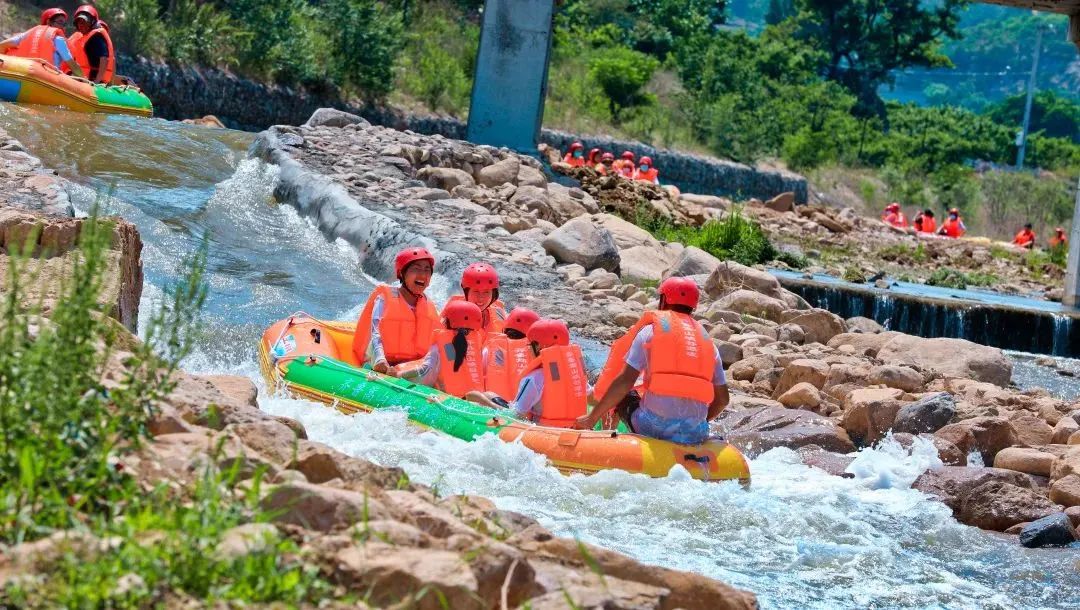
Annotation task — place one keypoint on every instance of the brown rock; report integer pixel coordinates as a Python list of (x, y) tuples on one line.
[(987, 435), (393, 575), (832, 463), (818, 325), (801, 396), (1067, 463), (730, 276), (803, 370), (1022, 459), (900, 377), (757, 429), (729, 352), (950, 357), (951, 484), (499, 173), (1065, 427), (865, 344), (445, 178), (322, 508), (269, 438), (870, 413), (784, 202), (754, 304), (1031, 430), (298, 428), (433, 520), (1073, 512), (321, 463), (692, 261), (1066, 490), (997, 505), (748, 368), (585, 589), (240, 389)]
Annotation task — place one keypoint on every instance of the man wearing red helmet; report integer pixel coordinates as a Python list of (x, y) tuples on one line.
[(554, 391), (894, 216), (606, 164), (575, 157), (480, 283), (44, 41), (507, 354), (453, 362), (91, 46), (684, 385), (624, 166), (398, 323), (645, 172)]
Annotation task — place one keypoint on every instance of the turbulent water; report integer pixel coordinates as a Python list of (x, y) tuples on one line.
[(799, 538)]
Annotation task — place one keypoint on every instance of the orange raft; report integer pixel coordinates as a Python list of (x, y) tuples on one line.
[(33, 81), (313, 359)]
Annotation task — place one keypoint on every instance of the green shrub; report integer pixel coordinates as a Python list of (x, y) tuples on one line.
[(366, 39), (135, 26), (952, 278), (621, 73), (200, 34), (734, 238)]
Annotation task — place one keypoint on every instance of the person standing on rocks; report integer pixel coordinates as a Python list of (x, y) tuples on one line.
[(554, 391), (684, 384), (453, 363), (45, 42), (480, 283), (398, 322)]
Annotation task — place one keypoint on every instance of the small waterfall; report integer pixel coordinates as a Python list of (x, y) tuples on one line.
[(1062, 328)]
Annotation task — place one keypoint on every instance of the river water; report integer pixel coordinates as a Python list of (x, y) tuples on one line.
[(798, 539)]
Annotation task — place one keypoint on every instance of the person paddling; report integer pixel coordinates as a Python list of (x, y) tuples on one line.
[(45, 42)]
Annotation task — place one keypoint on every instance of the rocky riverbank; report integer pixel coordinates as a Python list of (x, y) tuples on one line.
[(365, 530), (802, 377)]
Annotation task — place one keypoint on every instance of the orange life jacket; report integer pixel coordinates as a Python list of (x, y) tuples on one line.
[(494, 315), (77, 45), (952, 227), (39, 43), (470, 376), (1056, 241), (649, 176), (507, 361), (681, 359), (896, 219), (1024, 239), (601, 169), (406, 333), (573, 161), (929, 225), (564, 398)]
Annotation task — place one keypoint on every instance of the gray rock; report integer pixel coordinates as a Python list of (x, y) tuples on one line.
[(859, 324), (445, 178), (332, 117), (926, 415), (580, 241), (692, 261), (1052, 530), (497, 174)]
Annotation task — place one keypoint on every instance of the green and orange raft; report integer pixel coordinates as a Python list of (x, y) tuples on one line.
[(313, 359), (33, 81)]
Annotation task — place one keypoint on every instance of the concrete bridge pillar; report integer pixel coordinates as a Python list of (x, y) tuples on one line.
[(510, 82), (1072, 270)]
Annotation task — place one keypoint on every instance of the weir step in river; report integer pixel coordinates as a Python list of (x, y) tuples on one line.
[(1013, 323)]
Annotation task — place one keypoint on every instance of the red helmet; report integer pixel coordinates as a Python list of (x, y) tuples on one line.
[(462, 314), (49, 13), (87, 9), (646, 161), (576, 146), (1059, 230), (592, 153), (480, 276), (547, 333), (521, 320), (628, 155), (893, 206), (680, 291), (607, 157), (411, 255)]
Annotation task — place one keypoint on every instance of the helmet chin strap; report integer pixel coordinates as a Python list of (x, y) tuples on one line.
[(405, 287)]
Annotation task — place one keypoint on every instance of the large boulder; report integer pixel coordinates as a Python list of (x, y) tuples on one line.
[(803, 370), (859, 324), (692, 261), (332, 117), (869, 414), (928, 414), (530, 176), (641, 264), (1051, 530), (862, 343), (730, 276), (445, 178), (894, 376), (580, 241), (801, 396), (998, 506), (952, 484), (950, 357), (1025, 459), (565, 206), (1066, 490), (500, 173), (322, 508), (755, 430), (627, 235), (819, 325), (987, 435), (753, 303)]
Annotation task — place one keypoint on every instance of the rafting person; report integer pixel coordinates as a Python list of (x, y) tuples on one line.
[(575, 157), (480, 285), (1025, 238), (91, 46), (894, 216), (46, 42), (606, 163), (592, 158), (555, 389), (1059, 240), (507, 356), (924, 222), (398, 322), (953, 225), (684, 385), (625, 165), (645, 171), (453, 362)]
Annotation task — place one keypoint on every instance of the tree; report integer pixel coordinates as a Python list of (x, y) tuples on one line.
[(621, 73), (779, 10), (366, 39), (1059, 116), (866, 40)]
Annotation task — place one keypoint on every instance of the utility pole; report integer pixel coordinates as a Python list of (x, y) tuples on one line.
[(1022, 144)]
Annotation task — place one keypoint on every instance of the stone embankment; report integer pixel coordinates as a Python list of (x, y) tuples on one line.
[(801, 377), (364, 528), (186, 93)]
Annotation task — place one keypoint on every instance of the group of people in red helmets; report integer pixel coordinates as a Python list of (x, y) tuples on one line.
[(87, 53), (664, 377), (605, 163)]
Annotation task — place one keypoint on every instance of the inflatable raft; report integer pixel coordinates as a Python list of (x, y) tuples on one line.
[(313, 359), (32, 81)]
